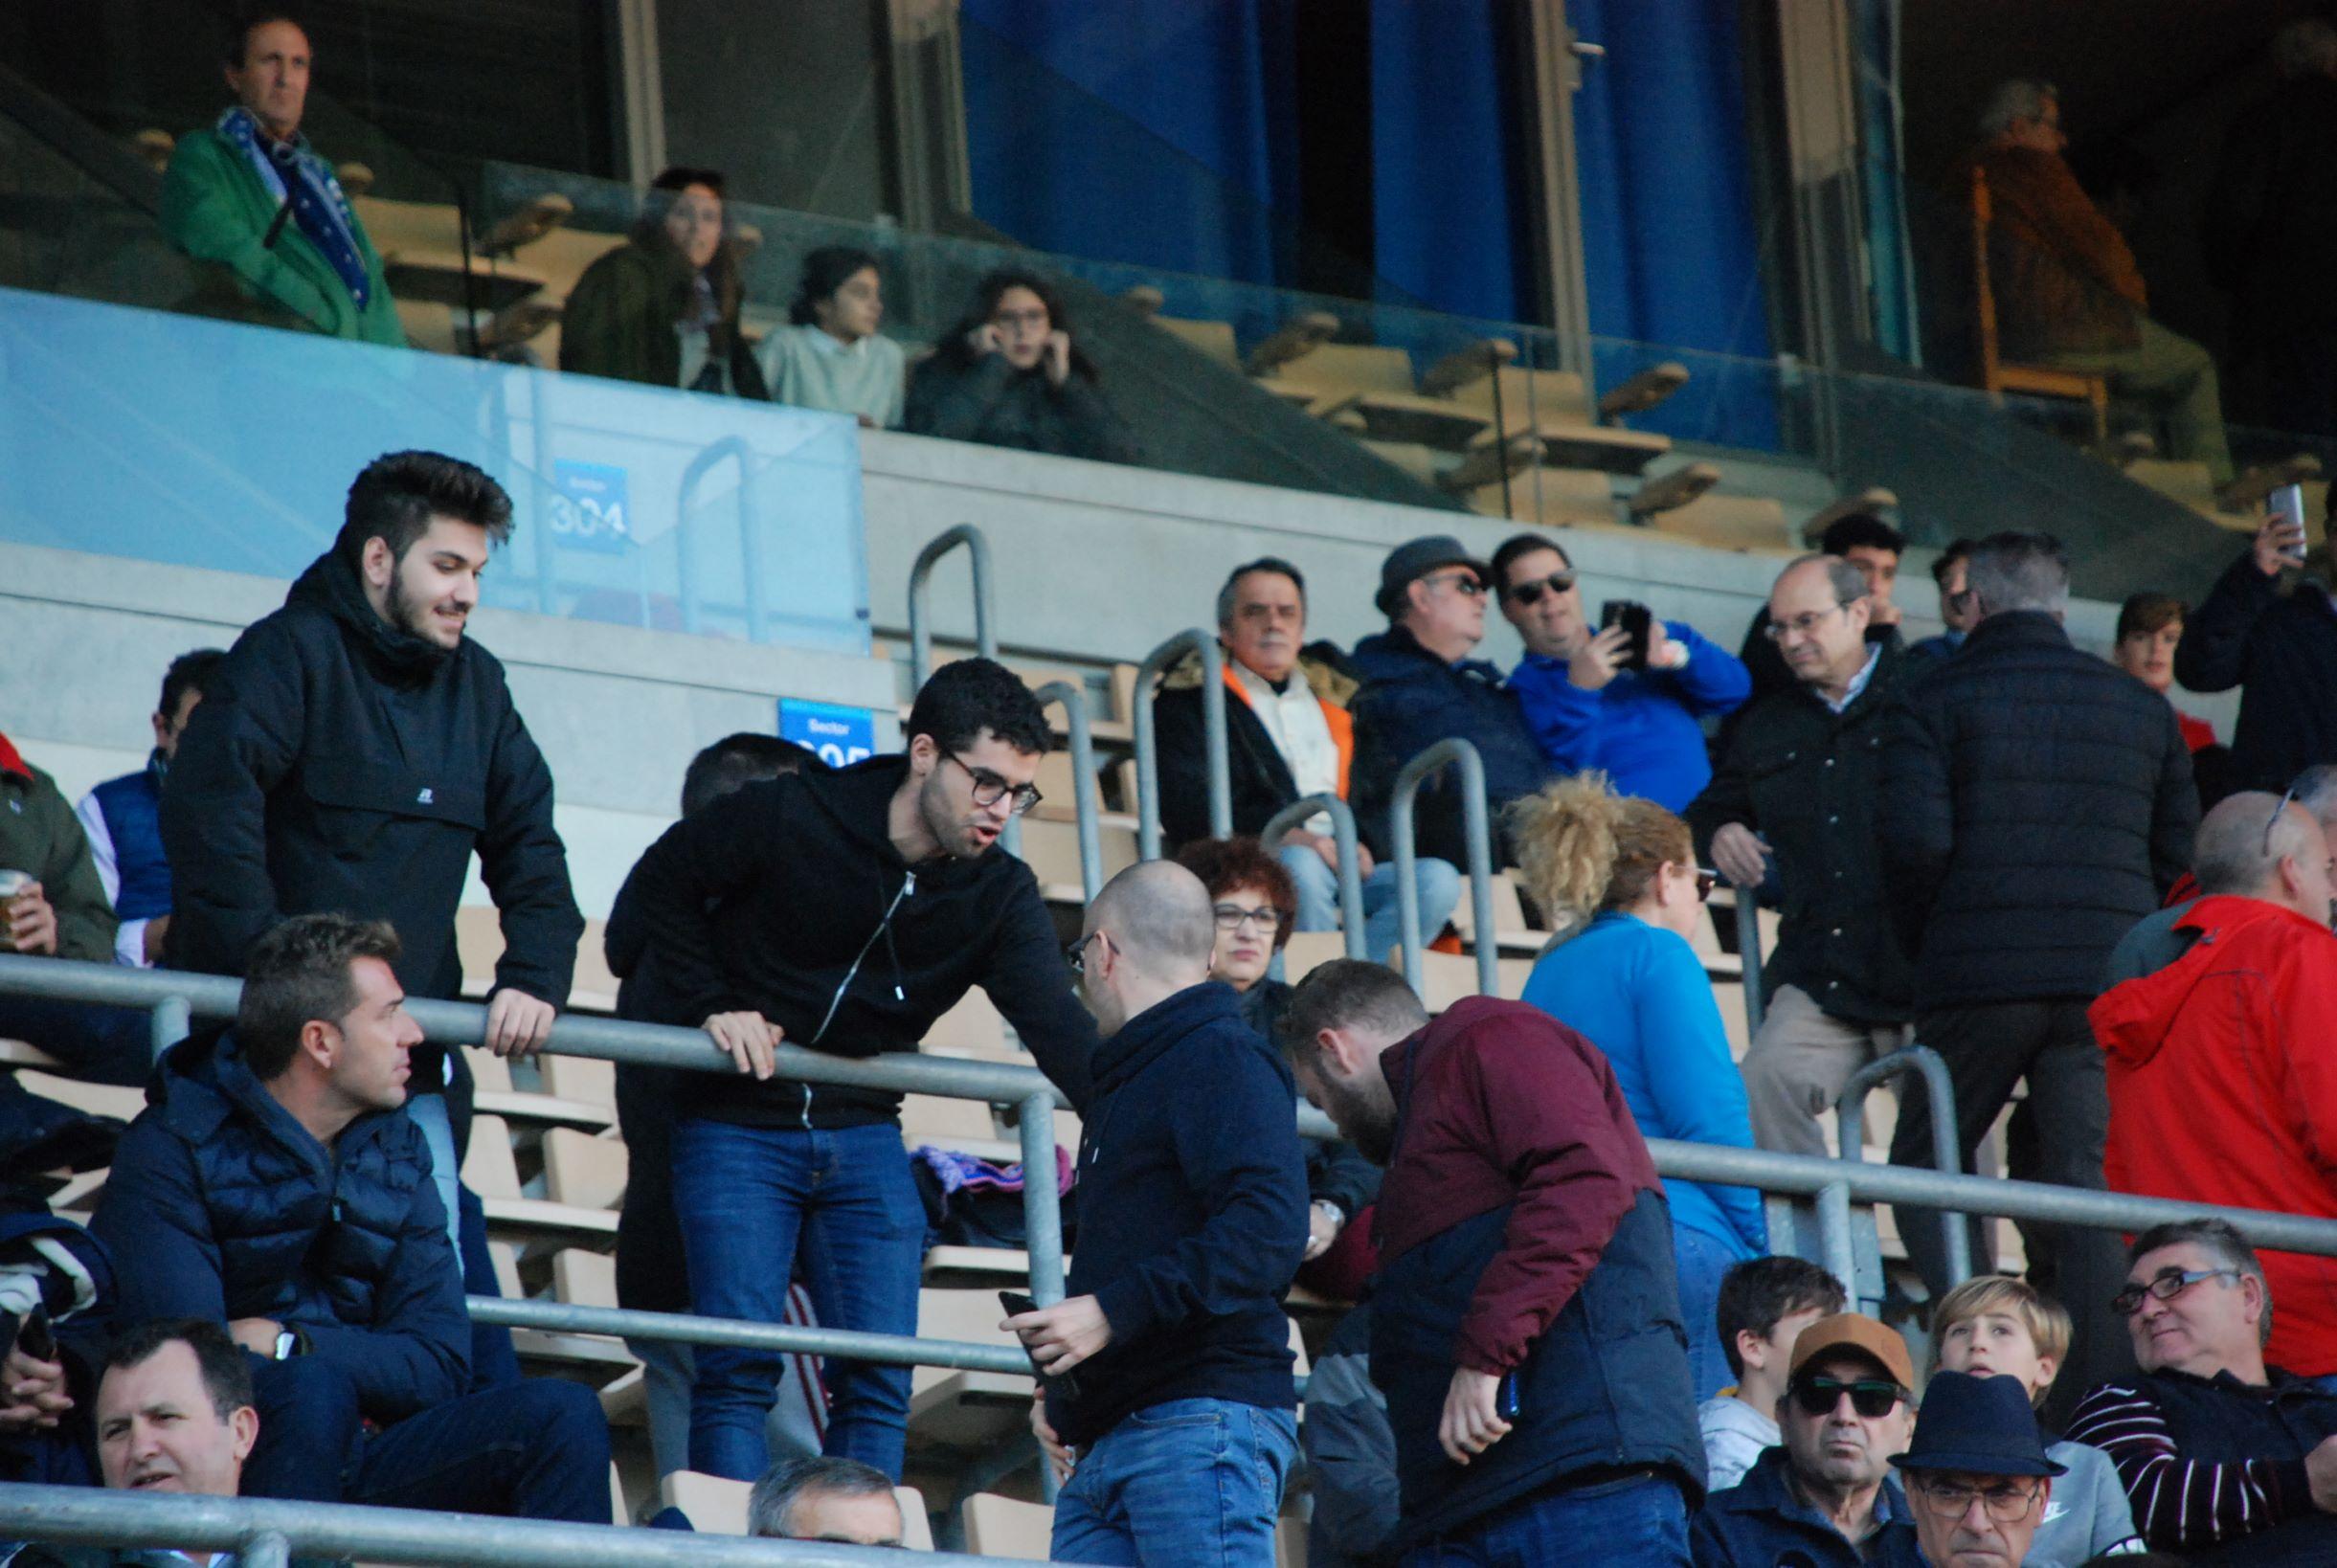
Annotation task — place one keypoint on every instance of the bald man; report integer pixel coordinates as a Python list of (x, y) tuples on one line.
[(1168, 1399), (2227, 1049)]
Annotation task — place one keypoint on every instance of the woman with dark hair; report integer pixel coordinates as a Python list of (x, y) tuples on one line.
[(1010, 375), (830, 355), (663, 308), (1256, 902)]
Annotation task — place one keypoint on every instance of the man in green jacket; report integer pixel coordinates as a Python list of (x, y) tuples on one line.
[(250, 194)]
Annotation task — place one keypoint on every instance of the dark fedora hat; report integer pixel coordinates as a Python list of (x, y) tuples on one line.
[(1977, 1426)]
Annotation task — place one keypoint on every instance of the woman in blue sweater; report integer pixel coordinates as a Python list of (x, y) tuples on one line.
[(1619, 876)]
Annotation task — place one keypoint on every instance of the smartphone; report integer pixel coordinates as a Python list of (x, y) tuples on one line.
[(1505, 1396), (33, 1336), (1636, 619), (1018, 1302), (2287, 504)]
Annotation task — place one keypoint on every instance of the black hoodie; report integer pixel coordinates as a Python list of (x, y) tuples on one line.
[(787, 898)]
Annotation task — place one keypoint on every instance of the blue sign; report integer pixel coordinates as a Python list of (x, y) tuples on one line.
[(589, 510), (841, 735)]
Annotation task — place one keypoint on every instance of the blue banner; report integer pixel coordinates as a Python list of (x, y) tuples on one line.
[(841, 735)]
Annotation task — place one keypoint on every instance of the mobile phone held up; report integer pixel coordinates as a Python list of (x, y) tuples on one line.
[(1016, 1302), (1636, 619), (2287, 504)]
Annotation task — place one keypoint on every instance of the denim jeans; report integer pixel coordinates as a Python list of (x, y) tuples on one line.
[(1638, 1523), (797, 1416), (1439, 889), (1185, 1484), (1700, 1261), (494, 1361), (761, 1206)]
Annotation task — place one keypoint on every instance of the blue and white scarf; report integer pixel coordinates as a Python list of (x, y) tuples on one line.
[(318, 205)]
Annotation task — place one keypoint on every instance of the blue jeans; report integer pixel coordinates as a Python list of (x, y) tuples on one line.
[(1700, 1261), (836, 1209), (1639, 1523), (494, 1361), (1439, 889), (1185, 1484)]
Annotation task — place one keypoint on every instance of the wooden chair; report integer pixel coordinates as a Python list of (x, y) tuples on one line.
[(1997, 376)]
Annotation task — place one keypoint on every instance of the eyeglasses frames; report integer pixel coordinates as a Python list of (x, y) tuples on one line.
[(1232, 917), (1530, 592), (1466, 584), (1802, 624), (989, 789), (1869, 1396), (2166, 1285), (2277, 812), (1077, 951), (2006, 1505), (1705, 883)]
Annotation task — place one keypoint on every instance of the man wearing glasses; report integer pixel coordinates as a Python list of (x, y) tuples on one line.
[(1957, 611), (1587, 705), (843, 912), (1978, 1474), (2221, 1455), (1824, 1497)]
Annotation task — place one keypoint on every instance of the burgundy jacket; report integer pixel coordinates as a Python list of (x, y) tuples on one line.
[(1500, 1104)]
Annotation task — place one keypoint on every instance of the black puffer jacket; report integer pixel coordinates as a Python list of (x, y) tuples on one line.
[(2281, 652), (2036, 802)]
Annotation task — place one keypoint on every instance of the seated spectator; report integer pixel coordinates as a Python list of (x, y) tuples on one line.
[(57, 1296), (1997, 1326), (2278, 648), (1287, 734), (1420, 686), (841, 1501), (830, 354), (1252, 899), (1765, 1302), (1979, 1476), (1009, 374), (1825, 1496), (663, 308), (1867, 543), (2224, 1049), (1351, 1451), (1958, 608), (123, 817), (2149, 627), (2068, 292), (275, 1184), (250, 194), (2215, 1448), (1618, 877), (1640, 726)]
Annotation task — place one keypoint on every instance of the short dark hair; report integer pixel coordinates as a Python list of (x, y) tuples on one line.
[(1518, 545), (235, 45), (775, 1495), (400, 492), (1958, 549), (300, 974), (1274, 564), (826, 270), (681, 178), (1344, 993), (227, 1376), (1860, 530), (2150, 612), (1224, 864), (741, 759), (2219, 1236), (962, 700), (954, 347), (1760, 1294), (188, 672)]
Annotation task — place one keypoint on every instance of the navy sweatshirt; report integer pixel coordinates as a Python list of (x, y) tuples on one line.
[(1193, 1211)]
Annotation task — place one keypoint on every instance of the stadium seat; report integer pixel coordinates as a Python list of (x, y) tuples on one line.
[(971, 1028), (1005, 1527), (582, 1169), (965, 1411), (715, 1505), (492, 1172)]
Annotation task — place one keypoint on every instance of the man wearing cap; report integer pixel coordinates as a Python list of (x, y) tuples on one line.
[(1420, 686), (1977, 1472), (1825, 1497)]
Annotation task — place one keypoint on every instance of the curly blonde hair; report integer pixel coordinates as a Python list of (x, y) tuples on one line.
[(1583, 849)]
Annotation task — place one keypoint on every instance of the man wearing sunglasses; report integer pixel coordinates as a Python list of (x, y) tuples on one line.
[(1587, 703), (2225, 1458), (1824, 1497)]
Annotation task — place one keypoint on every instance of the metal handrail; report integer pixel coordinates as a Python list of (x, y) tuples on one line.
[(1086, 799), (1476, 827), (1749, 954), (1940, 1091), (920, 575), (1213, 734), (1350, 863), (788, 1338)]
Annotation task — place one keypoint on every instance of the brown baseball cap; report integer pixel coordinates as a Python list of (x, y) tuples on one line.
[(1854, 1331)]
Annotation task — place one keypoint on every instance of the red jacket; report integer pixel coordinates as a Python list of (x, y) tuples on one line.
[(1501, 1104), (2223, 1089)]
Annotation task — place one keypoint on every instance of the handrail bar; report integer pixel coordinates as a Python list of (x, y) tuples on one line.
[(1476, 829), (1940, 1094), (1198, 642), (1350, 866), (920, 573), (1086, 799)]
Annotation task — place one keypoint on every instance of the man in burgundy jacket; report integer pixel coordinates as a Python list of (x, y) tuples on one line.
[(1526, 1324)]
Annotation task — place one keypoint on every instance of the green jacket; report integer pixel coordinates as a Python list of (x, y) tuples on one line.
[(39, 834), (216, 209), (618, 322)]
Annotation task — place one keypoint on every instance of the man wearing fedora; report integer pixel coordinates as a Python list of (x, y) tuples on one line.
[(1977, 1474)]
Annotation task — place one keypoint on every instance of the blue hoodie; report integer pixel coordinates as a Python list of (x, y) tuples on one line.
[(1642, 727), (1193, 1216)]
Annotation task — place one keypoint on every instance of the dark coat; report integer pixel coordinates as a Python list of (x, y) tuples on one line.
[(220, 1205), (2036, 801), (652, 1270), (2269, 229), (992, 402), (2281, 652), (1759, 1523), (1258, 773), (1806, 778), (1410, 699), (620, 318)]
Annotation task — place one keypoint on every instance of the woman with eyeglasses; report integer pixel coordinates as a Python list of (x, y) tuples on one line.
[(1012, 374), (1256, 902), (1619, 879)]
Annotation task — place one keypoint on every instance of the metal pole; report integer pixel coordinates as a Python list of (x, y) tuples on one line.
[(1213, 732), (170, 1023), (685, 549), (1476, 828), (920, 573), (1940, 1095), (1748, 953), (1085, 796), (1349, 864), (1042, 1225), (264, 1549), (845, 1344), (1834, 1245)]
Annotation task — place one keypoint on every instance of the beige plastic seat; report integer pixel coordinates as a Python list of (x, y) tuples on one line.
[(1307, 951), (583, 1078), (972, 1027), (966, 1411), (716, 1505), (1754, 524), (1006, 1527), (583, 1169), (491, 1170), (1214, 339)]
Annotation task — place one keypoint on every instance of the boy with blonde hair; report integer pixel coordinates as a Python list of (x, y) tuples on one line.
[(1994, 1325)]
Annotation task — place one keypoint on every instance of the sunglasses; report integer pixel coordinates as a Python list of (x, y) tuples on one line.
[(1705, 883), (1869, 1396), (1556, 582)]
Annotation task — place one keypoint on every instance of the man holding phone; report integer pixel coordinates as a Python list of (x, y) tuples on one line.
[(2278, 647)]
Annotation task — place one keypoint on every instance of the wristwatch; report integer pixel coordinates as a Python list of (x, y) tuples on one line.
[(1336, 1214)]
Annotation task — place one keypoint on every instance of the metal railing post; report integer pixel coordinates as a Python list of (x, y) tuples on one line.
[(1836, 1249), (686, 547), (1213, 732), (1947, 1157), (1042, 1224), (1477, 828), (1350, 866), (1748, 953), (920, 574), (264, 1549), (1085, 796), (171, 1022)]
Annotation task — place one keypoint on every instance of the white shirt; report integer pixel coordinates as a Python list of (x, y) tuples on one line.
[(1294, 722), (1857, 681), (1735, 1434), (130, 936)]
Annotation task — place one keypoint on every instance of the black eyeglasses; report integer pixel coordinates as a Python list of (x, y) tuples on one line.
[(1805, 623), (1466, 584), (2166, 1285), (989, 789), (1232, 917), (1869, 1396), (1077, 951), (2277, 812), (1951, 1500), (1556, 582)]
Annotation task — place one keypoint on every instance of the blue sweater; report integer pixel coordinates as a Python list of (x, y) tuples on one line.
[(1641, 727), (1640, 995)]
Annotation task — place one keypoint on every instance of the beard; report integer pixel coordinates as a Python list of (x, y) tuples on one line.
[(411, 616), (1370, 1126), (954, 834)]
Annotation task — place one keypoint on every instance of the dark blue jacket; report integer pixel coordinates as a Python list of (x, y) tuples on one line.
[(131, 806), (220, 1205), (1410, 699), (1642, 728), (1759, 1523), (1193, 1201)]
